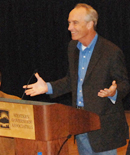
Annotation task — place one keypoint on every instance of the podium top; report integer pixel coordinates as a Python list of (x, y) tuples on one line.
[(30, 102)]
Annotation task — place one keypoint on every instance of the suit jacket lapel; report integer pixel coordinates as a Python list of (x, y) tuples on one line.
[(94, 58), (76, 62)]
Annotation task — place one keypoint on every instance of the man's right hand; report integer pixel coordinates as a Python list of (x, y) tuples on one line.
[(40, 87)]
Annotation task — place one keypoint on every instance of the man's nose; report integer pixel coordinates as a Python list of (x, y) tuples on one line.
[(70, 27)]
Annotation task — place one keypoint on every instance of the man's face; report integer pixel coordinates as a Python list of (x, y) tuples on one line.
[(77, 24)]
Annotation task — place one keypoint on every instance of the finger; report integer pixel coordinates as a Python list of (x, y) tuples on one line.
[(24, 86), (33, 94), (29, 91), (100, 95), (37, 75), (104, 93), (101, 91), (113, 82), (29, 86)]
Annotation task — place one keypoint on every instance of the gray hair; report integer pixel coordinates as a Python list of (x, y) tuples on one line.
[(91, 15)]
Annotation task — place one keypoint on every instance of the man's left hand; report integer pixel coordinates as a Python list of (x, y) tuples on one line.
[(108, 92)]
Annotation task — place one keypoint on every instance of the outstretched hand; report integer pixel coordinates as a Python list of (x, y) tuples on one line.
[(40, 87), (108, 92)]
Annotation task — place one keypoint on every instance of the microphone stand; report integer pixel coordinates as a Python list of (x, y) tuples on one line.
[(28, 83), (68, 137)]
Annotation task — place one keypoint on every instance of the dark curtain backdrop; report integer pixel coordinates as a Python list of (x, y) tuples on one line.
[(34, 35)]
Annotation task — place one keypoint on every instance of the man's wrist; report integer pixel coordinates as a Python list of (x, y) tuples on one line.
[(50, 90)]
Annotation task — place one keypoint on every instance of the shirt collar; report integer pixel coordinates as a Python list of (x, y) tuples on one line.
[(91, 45)]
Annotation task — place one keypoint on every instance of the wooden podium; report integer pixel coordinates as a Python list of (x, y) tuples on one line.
[(53, 124)]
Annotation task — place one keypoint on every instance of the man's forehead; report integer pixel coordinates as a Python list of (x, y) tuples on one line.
[(77, 13)]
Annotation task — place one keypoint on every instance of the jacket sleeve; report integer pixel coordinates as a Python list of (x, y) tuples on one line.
[(61, 86), (119, 73)]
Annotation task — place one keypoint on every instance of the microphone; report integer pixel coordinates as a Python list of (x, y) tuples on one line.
[(35, 71)]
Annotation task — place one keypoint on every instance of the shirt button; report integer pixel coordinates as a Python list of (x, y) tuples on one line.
[(84, 56), (82, 67), (81, 79), (80, 91)]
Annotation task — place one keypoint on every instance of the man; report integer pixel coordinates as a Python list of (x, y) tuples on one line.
[(98, 80)]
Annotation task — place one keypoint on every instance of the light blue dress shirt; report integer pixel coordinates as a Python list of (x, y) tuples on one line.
[(84, 58)]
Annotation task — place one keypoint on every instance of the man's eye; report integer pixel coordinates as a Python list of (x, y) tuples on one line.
[(75, 23)]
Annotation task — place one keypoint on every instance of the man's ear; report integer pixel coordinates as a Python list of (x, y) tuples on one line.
[(90, 24)]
